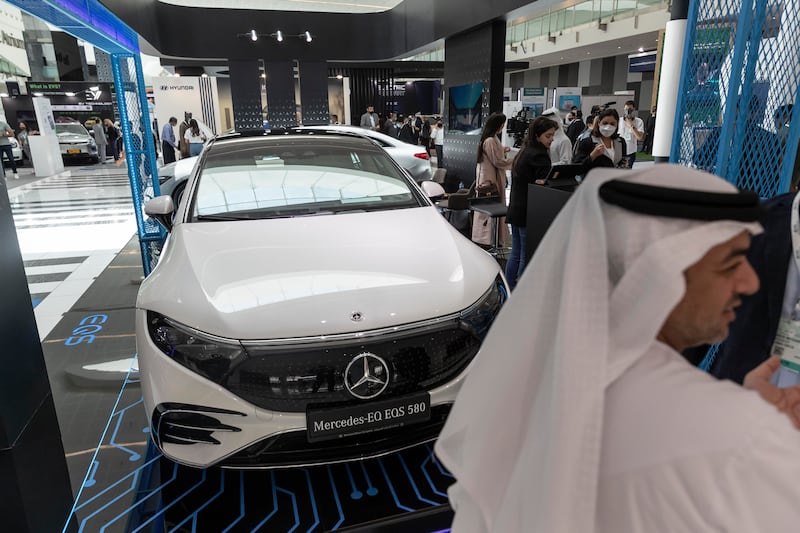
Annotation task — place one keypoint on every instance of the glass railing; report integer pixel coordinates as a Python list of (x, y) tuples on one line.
[(558, 20)]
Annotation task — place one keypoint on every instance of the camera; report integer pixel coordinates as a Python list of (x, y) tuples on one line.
[(516, 126)]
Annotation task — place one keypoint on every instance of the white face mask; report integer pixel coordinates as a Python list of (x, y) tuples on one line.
[(607, 130)]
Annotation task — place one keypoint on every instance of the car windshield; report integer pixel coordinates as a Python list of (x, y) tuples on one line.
[(71, 129), (269, 178)]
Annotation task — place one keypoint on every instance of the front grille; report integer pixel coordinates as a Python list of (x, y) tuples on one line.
[(293, 448), (288, 378)]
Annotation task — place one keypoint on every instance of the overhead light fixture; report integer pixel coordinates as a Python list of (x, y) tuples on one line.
[(69, 94), (339, 76), (263, 75), (308, 36), (253, 35), (38, 94), (279, 36)]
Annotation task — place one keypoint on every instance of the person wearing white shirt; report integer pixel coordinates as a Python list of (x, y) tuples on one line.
[(195, 138), (632, 131), (580, 414), (437, 135), (561, 149)]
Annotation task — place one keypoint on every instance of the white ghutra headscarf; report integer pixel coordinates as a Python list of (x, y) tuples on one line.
[(523, 439)]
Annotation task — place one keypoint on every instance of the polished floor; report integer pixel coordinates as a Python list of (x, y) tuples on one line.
[(69, 229)]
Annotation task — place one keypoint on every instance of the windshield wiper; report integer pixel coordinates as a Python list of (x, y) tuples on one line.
[(209, 218)]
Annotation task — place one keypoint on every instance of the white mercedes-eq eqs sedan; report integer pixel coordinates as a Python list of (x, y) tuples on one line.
[(310, 305)]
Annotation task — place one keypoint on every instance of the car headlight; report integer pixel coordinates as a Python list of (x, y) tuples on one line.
[(479, 317), (209, 356)]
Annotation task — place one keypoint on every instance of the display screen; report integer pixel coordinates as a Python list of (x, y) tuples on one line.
[(465, 103)]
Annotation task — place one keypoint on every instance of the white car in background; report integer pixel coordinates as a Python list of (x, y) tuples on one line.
[(310, 306), (415, 159), (76, 142)]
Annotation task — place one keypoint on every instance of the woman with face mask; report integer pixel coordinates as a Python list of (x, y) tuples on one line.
[(603, 148)]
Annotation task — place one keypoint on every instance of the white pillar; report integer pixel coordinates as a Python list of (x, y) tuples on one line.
[(668, 86)]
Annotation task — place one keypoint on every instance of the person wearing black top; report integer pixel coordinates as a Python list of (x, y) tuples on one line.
[(406, 133), (603, 148), (531, 163), (576, 127)]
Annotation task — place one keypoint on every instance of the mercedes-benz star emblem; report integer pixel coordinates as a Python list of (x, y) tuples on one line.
[(367, 376), (356, 316)]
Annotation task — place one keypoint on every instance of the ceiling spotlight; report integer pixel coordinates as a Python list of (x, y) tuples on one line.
[(253, 35), (339, 76), (308, 37), (279, 36)]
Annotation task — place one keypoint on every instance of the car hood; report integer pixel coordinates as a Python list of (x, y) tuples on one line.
[(282, 278)]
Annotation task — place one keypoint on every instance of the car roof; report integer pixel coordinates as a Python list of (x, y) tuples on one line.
[(297, 136)]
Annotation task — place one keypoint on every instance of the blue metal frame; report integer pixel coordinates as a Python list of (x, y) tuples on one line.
[(148, 232), (88, 20), (744, 31), (92, 22)]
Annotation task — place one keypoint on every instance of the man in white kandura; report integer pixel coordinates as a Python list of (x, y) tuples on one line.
[(580, 415)]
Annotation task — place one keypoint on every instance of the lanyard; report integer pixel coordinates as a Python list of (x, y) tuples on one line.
[(795, 221), (795, 218)]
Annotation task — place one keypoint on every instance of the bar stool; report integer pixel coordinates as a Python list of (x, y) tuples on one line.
[(494, 209)]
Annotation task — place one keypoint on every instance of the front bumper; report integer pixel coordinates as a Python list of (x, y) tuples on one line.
[(78, 150), (217, 427)]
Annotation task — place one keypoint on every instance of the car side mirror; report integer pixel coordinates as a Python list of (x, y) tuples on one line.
[(161, 209), (432, 189)]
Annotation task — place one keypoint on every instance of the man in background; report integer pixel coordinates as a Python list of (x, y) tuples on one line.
[(369, 120), (6, 134), (168, 140), (100, 139), (183, 144), (632, 131)]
